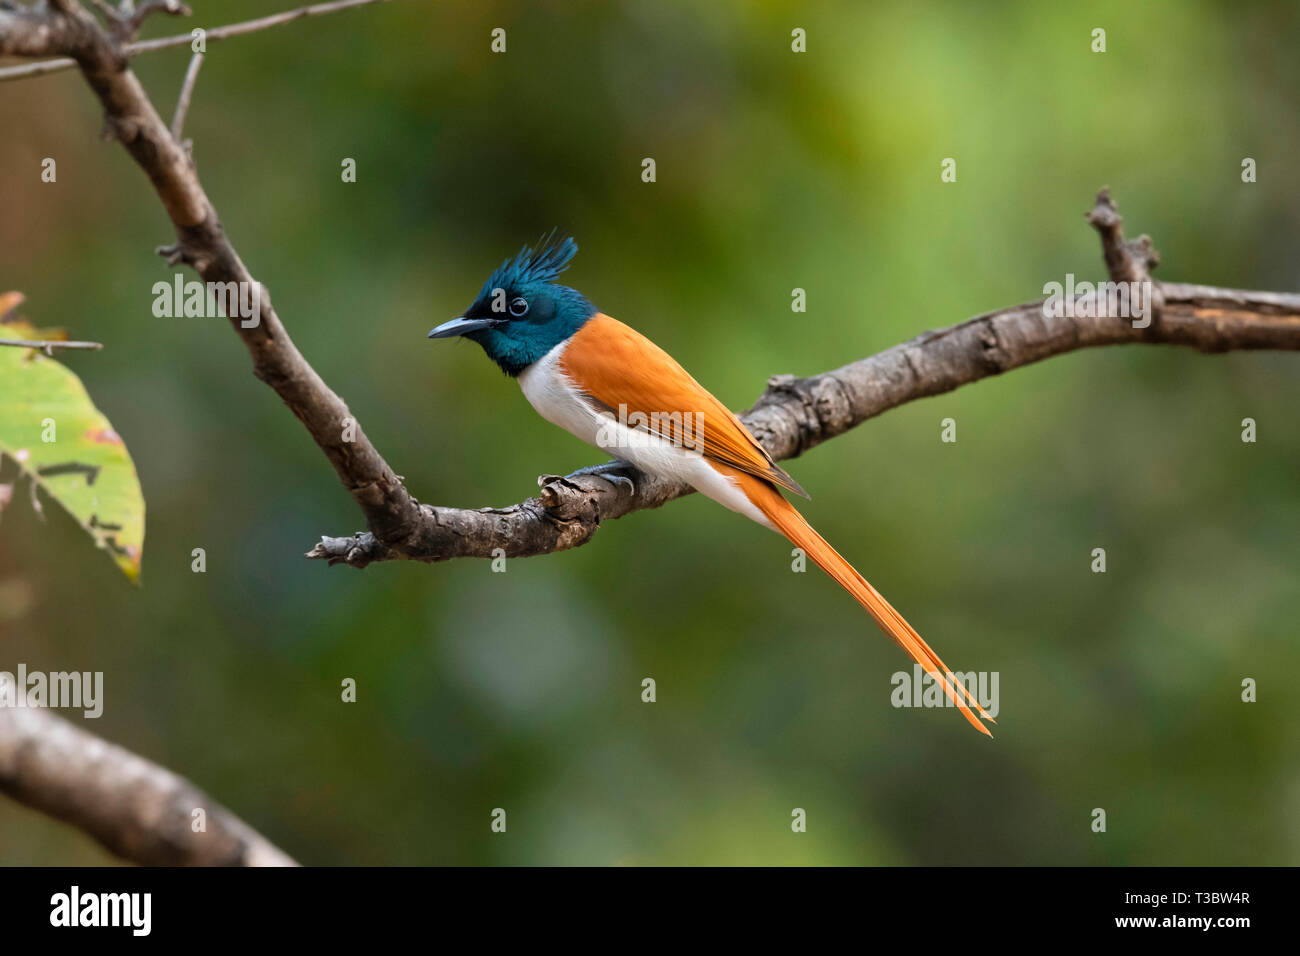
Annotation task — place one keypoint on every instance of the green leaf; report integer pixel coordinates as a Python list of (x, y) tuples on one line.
[(86, 468)]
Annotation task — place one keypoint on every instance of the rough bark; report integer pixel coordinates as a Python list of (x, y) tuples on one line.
[(137, 809)]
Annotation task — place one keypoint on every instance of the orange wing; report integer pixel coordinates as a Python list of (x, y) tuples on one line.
[(628, 376)]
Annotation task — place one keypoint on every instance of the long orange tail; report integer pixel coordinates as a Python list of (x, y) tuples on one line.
[(792, 524)]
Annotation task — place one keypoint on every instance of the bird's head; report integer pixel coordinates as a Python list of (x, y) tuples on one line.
[(521, 313)]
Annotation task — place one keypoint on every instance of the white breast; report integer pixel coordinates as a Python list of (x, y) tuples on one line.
[(560, 402)]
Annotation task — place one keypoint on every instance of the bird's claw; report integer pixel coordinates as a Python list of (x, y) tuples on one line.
[(612, 471)]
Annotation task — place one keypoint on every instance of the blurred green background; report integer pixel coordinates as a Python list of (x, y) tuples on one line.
[(775, 170)]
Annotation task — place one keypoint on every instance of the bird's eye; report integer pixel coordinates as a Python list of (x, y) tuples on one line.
[(518, 308)]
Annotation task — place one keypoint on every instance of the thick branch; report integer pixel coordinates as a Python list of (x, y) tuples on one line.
[(138, 810), (796, 414), (37, 32)]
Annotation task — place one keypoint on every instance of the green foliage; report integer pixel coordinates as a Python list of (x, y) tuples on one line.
[(66, 447)]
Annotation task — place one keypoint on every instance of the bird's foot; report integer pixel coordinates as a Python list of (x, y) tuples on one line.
[(615, 472)]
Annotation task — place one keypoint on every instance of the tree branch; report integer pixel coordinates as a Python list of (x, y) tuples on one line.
[(135, 808), (792, 415), (201, 242), (187, 91), (138, 810), (796, 414), (51, 46), (38, 32), (126, 20), (132, 22), (49, 346)]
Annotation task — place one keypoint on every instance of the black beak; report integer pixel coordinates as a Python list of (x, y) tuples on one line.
[(461, 326)]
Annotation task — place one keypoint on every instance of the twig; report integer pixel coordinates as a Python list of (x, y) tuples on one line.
[(1126, 261), (133, 21), (138, 810), (249, 26), (111, 13), (185, 39), (187, 90), (48, 346), (125, 20), (40, 68)]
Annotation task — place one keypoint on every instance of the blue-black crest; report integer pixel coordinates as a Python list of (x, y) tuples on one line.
[(544, 263), (522, 312)]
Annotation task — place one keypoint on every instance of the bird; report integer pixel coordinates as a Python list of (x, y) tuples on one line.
[(610, 386)]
